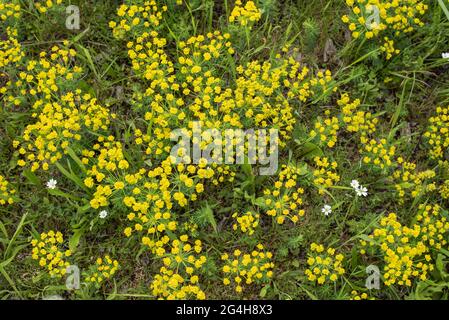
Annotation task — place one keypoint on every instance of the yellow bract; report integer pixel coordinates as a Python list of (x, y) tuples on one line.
[(47, 249), (10, 51), (6, 192), (9, 10), (356, 120), (324, 264), (103, 269), (245, 14), (325, 174), (406, 251), (177, 278), (407, 178), (325, 131), (243, 269), (247, 222), (283, 201), (45, 5), (437, 134), (373, 19)]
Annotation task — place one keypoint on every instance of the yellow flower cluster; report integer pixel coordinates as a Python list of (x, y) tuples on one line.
[(149, 195), (197, 54), (360, 296), (377, 152), (247, 222), (407, 251), (62, 115), (434, 225), (47, 249), (103, 269), (153, 202), (170, 285), (45, 141), (242, 269), (136, 18), (177, 278), (153, 223), (437, 134), (245, 15), (373, 18), (150, 62), (105, 158), (6, 192), (283, 200), (323, 264), (407, 178), (326, 131), (388, 48), (10, 52), (182, 252), (443, 189), (9, 10), (356, 120), (325, 174), (46, 5), (257, 83), (373, 151), (50, 75)]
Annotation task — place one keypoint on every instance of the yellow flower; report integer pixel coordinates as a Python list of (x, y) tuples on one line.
[(323, 264)]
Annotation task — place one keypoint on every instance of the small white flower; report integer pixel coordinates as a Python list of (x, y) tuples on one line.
[(361, 191), (355, 184), (327, 210), (445, 55), (103, 214), (51, 184)]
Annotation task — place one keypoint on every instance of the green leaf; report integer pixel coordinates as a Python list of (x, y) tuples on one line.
[(10, 281), (444, 8), (13, 238), (75, 158), (205, 216), (263, 292), (75, 239), (57, 192), (439, 263), (72, 176), (84, 208), (310, 150), (260, 202), (90, 61), (310, 294), (31, 177)]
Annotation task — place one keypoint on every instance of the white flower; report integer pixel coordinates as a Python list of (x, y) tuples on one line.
[(355, 184), (51, 184), (361, 191), (445, 55), (103, 214), (327, 210)]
